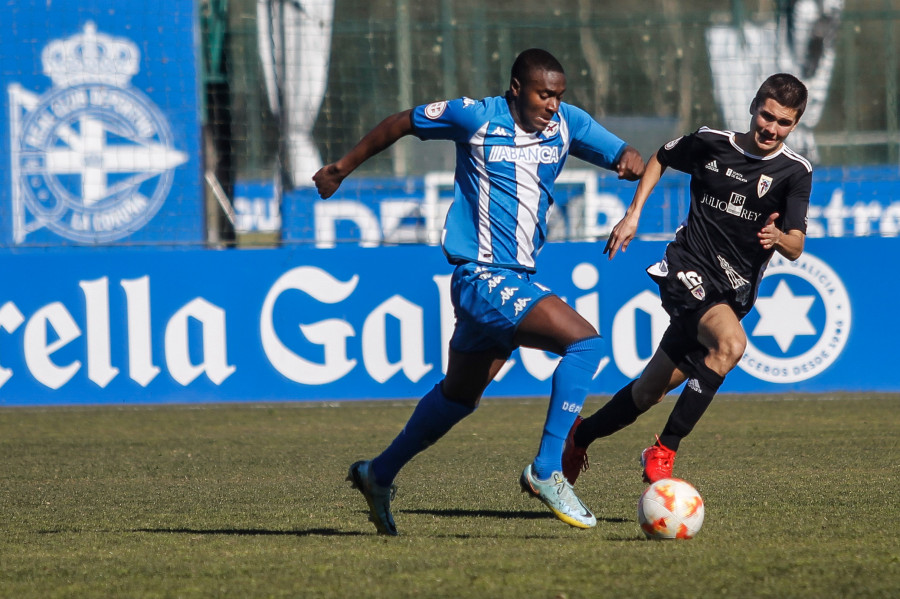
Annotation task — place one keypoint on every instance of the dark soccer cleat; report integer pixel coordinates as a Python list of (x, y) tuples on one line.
[(657, 462), (378, 497), (574, 458)]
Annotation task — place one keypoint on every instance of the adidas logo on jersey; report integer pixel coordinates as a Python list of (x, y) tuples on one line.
[(711, 165)]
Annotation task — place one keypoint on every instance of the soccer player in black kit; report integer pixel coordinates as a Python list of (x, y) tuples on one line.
[(749, 198)]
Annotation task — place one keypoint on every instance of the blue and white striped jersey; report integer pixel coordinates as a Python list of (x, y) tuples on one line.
[(505, 176)]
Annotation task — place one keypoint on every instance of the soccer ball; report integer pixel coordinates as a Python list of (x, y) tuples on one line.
[(670, 508)]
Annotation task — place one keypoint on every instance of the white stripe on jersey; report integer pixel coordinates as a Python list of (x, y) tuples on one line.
[(784, 149), (528, 193), (705, 129), (564, 136), (485, 241), (795, 156)]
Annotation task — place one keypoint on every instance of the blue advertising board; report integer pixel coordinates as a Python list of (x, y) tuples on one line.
[(845, 202), (101, 135), (155, 326)]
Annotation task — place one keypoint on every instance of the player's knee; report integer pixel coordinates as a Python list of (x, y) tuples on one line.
[(461, 391), (586, 353), (728, 353), (647, 393)]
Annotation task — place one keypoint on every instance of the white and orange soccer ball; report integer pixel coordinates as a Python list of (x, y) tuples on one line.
[(670, 508)]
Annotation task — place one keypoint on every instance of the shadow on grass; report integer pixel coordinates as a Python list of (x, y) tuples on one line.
[(500, 514), (248, 532), (321, 532)]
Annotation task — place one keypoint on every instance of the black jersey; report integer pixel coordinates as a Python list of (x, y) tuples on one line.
[(732, 195)]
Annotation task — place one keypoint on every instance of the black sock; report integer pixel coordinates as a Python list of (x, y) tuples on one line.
[(618, 413), (696, 396)]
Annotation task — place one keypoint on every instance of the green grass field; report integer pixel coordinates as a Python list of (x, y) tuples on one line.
[(250, 501)]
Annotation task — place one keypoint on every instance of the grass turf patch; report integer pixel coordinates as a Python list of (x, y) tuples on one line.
[(250, 501)]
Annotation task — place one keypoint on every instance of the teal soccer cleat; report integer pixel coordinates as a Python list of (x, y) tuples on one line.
[(558, 495), (378, 497)]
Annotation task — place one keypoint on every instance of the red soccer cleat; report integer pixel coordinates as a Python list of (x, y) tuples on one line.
[(574, 458), (657, 462)]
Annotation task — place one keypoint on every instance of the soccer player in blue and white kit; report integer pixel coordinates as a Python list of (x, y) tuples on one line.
[(510, 150)]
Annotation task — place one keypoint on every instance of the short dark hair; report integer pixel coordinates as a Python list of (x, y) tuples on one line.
[(785, 89), (534, 59)]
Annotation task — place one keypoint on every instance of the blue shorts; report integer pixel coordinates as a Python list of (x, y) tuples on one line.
[(489, 303)]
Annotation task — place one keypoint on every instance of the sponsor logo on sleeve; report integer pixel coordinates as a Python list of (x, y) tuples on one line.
[(435, 110)]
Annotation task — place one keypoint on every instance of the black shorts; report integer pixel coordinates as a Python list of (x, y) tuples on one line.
[(686, 296)]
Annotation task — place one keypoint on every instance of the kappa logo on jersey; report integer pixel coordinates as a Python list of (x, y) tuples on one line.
[(468, 102), (436, 109), (527, 154), (763, 185), (92, 158), (500, 131), (674, 143), (712, 166), (735, 175)]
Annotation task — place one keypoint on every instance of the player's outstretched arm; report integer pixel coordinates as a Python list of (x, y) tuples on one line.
[(625, 230), (790, 244), (330, 176), (631, 164)]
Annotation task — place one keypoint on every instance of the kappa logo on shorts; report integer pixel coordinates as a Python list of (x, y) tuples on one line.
[(92, 158), (507, 293), (797, 330), (520, 304), (494, 281)]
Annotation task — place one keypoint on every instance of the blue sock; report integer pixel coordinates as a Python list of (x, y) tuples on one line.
[(571, 380), (433, 417)]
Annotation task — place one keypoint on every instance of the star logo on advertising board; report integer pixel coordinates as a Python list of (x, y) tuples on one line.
[(784, 316), (799, 328)]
